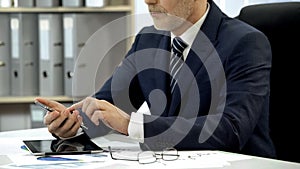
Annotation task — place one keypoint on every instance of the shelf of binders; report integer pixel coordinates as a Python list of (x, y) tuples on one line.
[(106, 9), (30, 99), (121, 8)]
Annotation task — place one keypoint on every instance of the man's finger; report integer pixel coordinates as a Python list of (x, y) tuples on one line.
[(50, 103), (50, 116), (75, 106)]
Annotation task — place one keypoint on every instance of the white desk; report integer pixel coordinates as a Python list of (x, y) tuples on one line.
[(11, 141)]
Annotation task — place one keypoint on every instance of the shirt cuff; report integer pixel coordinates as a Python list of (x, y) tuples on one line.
[(136, 123), (136, 127)]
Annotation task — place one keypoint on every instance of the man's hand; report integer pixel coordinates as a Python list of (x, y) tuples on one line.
[(110, 115), (61, 121)]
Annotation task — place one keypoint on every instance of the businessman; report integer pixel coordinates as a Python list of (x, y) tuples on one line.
[(195, 80)]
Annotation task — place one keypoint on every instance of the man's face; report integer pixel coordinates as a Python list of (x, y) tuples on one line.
[(170, 14)]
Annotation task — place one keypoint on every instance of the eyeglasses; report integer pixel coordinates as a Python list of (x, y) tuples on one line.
[(146, 157)]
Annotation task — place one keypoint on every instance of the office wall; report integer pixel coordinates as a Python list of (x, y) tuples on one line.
[(142, 17), (230, 7)]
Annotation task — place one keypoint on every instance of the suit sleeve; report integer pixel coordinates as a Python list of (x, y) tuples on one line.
[(247, 77)]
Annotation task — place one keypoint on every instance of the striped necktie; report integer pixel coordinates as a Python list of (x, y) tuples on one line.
[(177, 59)]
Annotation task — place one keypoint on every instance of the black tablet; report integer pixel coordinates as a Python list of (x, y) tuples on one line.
[(62, 147)]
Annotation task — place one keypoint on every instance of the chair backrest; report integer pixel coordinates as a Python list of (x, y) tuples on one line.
[(280, 22)]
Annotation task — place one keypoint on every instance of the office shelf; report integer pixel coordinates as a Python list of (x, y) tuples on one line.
[(30, 99), (123, 8), (18, 107)]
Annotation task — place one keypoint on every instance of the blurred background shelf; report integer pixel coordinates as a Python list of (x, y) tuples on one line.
[(18, 112), (30, 99), (121, 8)]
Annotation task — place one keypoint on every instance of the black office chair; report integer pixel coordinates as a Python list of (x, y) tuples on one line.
[(280, 22)]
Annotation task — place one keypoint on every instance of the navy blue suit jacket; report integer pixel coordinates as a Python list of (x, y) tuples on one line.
[(222, 98)]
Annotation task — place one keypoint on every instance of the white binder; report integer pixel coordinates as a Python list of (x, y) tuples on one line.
[(78, 28), (50, 55), (4, 55), (96, 3), (5, 3), (23, 3), (24, 54)]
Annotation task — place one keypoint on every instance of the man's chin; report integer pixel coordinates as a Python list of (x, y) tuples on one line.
[(167, 25)]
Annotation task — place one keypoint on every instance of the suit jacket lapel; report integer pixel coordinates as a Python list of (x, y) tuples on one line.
[(162, 60), (158, 59)]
